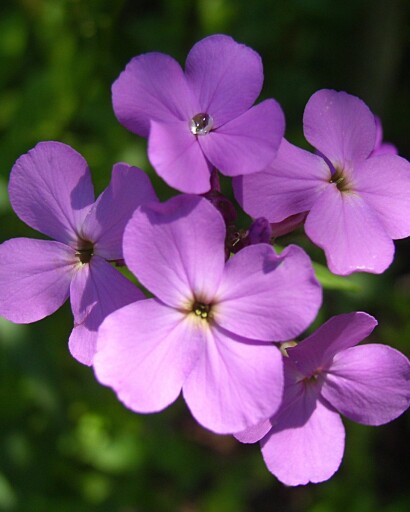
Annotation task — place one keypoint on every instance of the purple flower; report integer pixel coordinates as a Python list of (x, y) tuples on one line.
[(202, 118), (205, 331), (357, 202), (326, 374), (50, 190)]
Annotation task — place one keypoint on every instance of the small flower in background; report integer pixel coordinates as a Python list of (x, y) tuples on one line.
[(209, 328), (202, 118), (50, 190), (356, 202), (326, 374)]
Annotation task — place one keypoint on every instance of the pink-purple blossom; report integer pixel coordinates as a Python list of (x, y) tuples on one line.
[(357, 203), (50, 190), (201, 118), (207, 332), (327, 375)]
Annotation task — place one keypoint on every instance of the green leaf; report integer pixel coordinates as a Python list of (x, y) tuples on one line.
[(334, 282)]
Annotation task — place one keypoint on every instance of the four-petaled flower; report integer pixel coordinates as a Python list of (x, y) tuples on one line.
[(207, 331), (326, 374), (202, 118), (50, 190), (356, 202)]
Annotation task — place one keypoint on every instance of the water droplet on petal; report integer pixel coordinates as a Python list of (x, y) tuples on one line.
[(201, 124)]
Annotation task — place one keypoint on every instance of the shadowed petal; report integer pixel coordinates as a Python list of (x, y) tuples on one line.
[(176, 249), (97, 289), (289, 185), (351, 235), (50, 190), (255, 433), (384, 183), (145, 352), (152, 87), (176, 156), (248, 143), (267, 296), (215, 67), (129, 188), (35, 278), (340, 126), (306, 444), (369, 384), (236, 383), (337, 334)]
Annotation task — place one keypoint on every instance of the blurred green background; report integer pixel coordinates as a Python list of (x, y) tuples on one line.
[(66, 444)]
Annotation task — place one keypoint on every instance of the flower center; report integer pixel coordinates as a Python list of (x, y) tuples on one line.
[(202, 310), (340, 180), (201, 124), (85, 251)]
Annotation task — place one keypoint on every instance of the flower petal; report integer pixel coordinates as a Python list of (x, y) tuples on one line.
[(145, 352), (235, 384), (255, 433), (152, 87), (177, 157), (265, 296), (129, 188), (97, 289), (340, 126), (384, 183), (176, 249), (289, 185), (248, 143), (369, 384), (50, 190), (350, 233), (225, 76), (35, 278), (337, 334), (306, 444)]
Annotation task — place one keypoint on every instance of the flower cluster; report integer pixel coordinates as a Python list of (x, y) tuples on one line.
[(226, 305)]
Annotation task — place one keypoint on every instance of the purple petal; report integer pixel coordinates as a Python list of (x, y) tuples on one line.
[(306, 444), (340, 126), (35, 278), (369, 384), (255, 433), (235, 384), (248, 143), (225, 76), (145, 351), (382, 148), (129, 188), (152, 87), (97, 289), (384, 183), (176, 249), (350, 233), (385, 149), (288, 225), (290, 184), (339, 333), (50, 190), (268, 297), (177, 157)]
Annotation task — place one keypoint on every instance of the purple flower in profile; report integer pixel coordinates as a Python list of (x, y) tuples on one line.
[(326, 374), (207, 328), (357, 203), (203, 117), (50, 190)]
